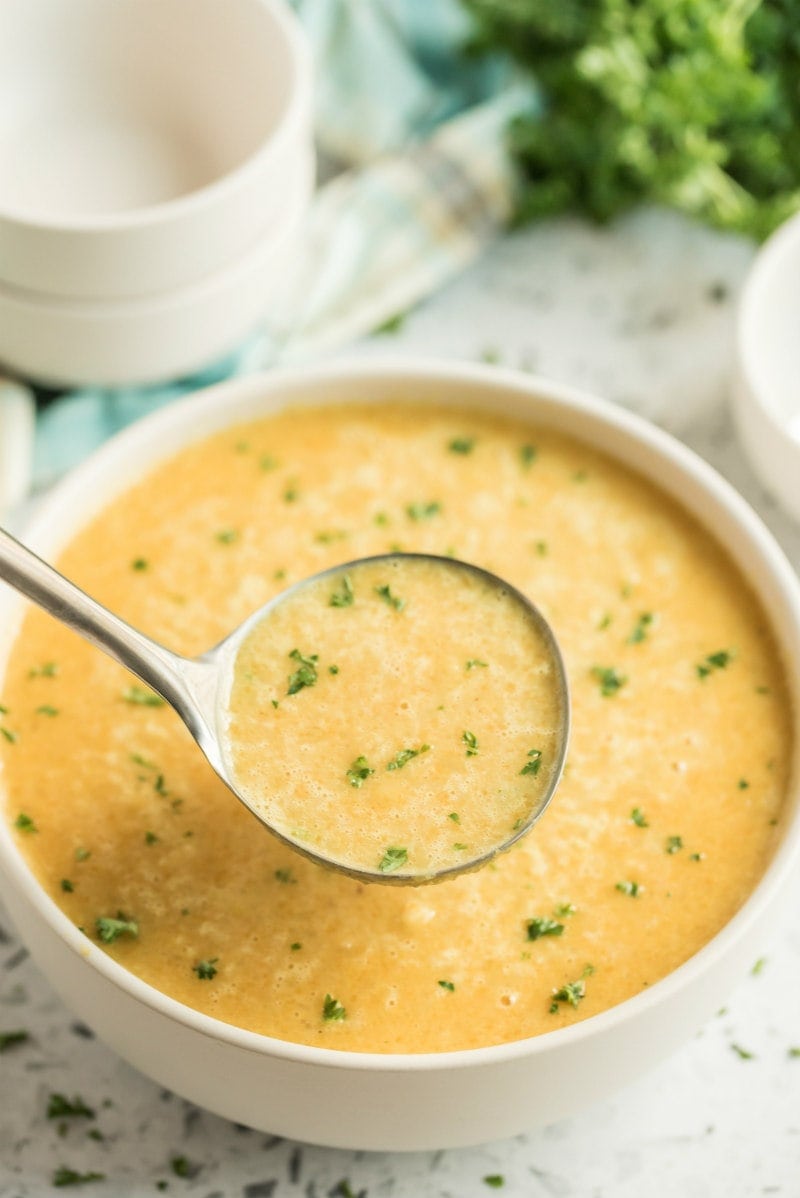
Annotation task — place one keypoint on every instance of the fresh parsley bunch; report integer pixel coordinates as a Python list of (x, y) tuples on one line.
[(690, 103)]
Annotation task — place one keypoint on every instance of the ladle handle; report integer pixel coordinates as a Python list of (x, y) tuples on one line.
[(163, 671)]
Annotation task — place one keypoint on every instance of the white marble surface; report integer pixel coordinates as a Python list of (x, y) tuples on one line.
[(642, 314)]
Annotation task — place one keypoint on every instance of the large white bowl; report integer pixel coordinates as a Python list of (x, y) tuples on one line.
[(442, 1100), (144, 143), (61, 342)]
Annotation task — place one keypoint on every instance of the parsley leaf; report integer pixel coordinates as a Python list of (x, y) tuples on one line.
[(405, 755), (394, 601), (305, 674), (471, 741), (12, 1039), (345, 595), (64, 1176), (109, 929), (358, 772), (534, 765), (610, 680), (206, 970), (139, 696), (60, 1107), (392, 859), (423, 511), (542, 926), (332, 1009)]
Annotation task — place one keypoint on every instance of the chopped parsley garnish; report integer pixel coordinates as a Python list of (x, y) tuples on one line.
[(139, 563), (286, 876), (459, 847), (639, 818), (82, 854), (109, 929), (541, 548), (542, 926), (495, 1181), (610, 680), (386, 595), (604, 622), (534, 765), (640, 628), (742, 1053), (358, 772), (673, 844), (423, 511), (291, 494), (345, 595), (528, 455), (24, 823), (758, 966), (67, 886), (64, 1176), (206, 970), (715, 661), (12, 1039), (475, 663), (743, 784), (10, 736), (295, 946), (150, 838), (305, 674), (48, 669), (390, 326), (447, 985), (46, 709), (60, 1107), (793, 1052), (462, 445), (471, 741), (139, 696), (332, 1009), (571, 992), (226, 536), (402, 757), (632, 889), (392, 859), (181, 1166), (455, 817), (564, 909), (267, 462), (334, 669), (328, 536)]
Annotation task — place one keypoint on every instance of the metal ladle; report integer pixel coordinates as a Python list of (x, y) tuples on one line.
[(196, 688)]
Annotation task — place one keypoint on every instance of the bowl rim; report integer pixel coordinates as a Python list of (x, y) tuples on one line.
[(755, 297), (292, 124), (186, 411)]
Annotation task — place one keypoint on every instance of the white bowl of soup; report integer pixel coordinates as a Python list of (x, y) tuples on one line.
[(307, 1003)]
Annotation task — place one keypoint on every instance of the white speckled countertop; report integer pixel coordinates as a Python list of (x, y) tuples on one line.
[(642, 314)]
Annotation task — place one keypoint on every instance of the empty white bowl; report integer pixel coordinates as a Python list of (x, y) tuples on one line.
[(399, 1101), (767, 383), (144, 143), (151, 339)]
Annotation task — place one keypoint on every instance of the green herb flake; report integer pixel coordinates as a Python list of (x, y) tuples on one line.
[(60, 1107), (793, 1052), (358, 772), (305, 674), (611, 681), (475, 663), (268, 462), (641, 628), (423, 511), (295, 946), (462, 445), (67, 886), (542, 926), (571, 993), (82, 854), (714, 661), (150, 838), (402, 757), (758, 967), (562, 910), (46, 709), (639, 818), (604, 622), (392, 859), (140, 564), (206, 970), (494, 1181), (286, 876), (528, 455), (334, 670), (455, 817), (139, 696), (227, 536), (632, 889), (24, 823), (291, 494), (471, 741), (534, 765), (742, 1053), (64, 1176), (390, 326), (743, 784), (673, 844), (10, 736), (181, 1166), (109, 929), (446, 985), (345, 595), (332, 1009), (48, 669), (12, 1039), (385, 592)]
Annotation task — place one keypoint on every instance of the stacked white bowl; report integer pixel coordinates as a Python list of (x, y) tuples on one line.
[(156, 163)]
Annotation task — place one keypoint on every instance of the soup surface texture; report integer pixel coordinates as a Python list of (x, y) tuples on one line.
[(663, 822), (427, 688)]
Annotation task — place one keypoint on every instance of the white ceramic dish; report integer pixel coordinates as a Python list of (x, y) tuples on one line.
[(148, 340), (144, 143), (396, 1101), (767, 383)]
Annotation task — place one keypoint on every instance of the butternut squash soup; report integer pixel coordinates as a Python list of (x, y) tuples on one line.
[(664, 820), (415, 659)]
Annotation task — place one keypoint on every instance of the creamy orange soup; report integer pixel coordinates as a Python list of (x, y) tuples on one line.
[(663, 822), (426, 688)]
